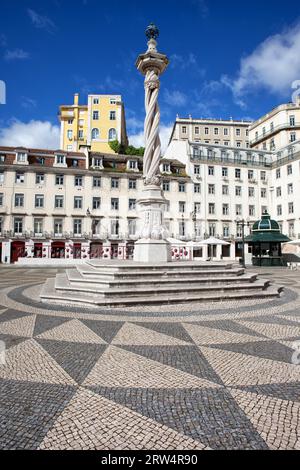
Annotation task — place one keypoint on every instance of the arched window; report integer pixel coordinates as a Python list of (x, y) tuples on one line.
[(112, 134), (95, 134)]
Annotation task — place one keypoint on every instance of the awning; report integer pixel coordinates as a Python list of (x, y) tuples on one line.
[(267, 237)]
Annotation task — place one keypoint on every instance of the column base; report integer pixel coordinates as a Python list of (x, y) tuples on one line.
[(147, 250)]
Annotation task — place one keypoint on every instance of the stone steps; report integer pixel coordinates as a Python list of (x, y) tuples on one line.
[(50, 295), (129, 283)]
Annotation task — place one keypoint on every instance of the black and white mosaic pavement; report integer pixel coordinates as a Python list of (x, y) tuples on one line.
[(193, 376)]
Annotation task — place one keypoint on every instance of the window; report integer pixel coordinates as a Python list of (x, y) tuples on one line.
[(251, 191), (80, 134), (78, 180), (291, 207), (278, 173), (251, 211), (264, 130), (58, 226), (95, 115), (290, 188), (115, 204), (291, 229), (197, 188), (74, 163), (166, 185), (238, 173), (131, 204), (182, 228), (238, 132), (238, 190), (96, 202), (238, 144), (70, 134), (21, 157), (39, 200), (19, 200), (95, 133), (263, 192), (183, 129), (59, 202), (224, 172), (114, 227), (263, 176), (132, 164), (38, 226), (59, 180), (39, 178), (289, 170), (131, 227), (238, 209), (70, 121), (225, 131), (114, 182), (2, 158), (212, 230), (216, 131), (77, 202), (96, 100), (250, 174), (1, 177), (181, 187), (196, 130), (96, 224), (181, 207), (132, 184), (1, 199), (112, 115), (96, 181), (113, 101), (292, 136), (278, 191), (112, 134), (211, 208), (225, 190), (225, 230), (196, 169), (272, 126), (211, 170), (60, 159), (211, 189), (197, 207), (225, 209), (18, 225), (279, 209), (206, 130), (77, 226), (292, 120), (20, 177)]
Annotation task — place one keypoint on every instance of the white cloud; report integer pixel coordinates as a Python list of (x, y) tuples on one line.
[(174, 98), (33, 134), (137, 140), (273, 65), (28, 102), (16, 54), (40, 21)]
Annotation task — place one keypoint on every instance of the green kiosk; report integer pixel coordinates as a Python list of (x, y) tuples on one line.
[(265, 240)]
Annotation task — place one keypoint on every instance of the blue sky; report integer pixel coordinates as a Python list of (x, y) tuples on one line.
[(227, 59)]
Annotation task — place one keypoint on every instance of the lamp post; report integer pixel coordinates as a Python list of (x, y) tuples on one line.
[(194, 219), (243, 223)]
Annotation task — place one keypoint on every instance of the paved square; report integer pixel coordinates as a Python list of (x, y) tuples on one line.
[(191, 376)]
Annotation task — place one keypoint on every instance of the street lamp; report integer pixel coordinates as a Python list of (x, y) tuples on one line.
[(243, 223)]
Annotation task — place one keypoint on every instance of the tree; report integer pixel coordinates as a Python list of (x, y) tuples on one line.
[(129, 150)]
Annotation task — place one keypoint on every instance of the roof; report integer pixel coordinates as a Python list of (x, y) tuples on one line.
[(266, 224), (266, 230)]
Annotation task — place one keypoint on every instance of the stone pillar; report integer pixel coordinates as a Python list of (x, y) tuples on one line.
[(69, 249), (29, 248), (85, 250), (6, 248), (46, 250)]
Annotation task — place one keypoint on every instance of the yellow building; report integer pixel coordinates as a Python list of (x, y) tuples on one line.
[(94, 124)]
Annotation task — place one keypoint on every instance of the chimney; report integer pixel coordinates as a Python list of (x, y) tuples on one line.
[(76, 99)]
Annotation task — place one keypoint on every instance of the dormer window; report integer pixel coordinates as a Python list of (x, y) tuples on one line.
[(132, 165), (2, 158), (60, 160), (166, 168)]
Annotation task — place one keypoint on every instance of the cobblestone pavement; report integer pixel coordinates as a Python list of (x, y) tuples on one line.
[(190, 376)]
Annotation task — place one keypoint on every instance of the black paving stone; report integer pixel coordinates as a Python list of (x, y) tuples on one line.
[(47, 322), (175, 330), (186, 358), (227, 325), (28, 411), (12, 314), (285, 391), (77, 359), (264, 349), (11, 340), (106, 330), (208, 415)]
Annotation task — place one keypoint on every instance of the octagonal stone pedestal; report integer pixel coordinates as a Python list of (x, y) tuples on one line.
[(152, 251)]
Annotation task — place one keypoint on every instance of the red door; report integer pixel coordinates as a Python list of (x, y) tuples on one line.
[(77, 250), (96, 250), (17, 251), (57, 250), (38, 248)]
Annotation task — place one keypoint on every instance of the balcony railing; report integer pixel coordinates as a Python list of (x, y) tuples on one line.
[(273, 130)]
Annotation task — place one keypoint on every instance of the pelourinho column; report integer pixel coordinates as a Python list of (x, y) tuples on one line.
[(152, 245)]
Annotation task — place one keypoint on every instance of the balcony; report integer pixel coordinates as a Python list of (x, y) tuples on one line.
[(274, 130)]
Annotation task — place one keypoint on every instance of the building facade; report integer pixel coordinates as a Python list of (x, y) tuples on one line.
[(57, 204), (231, 133), (94, 125), (277, 129)]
